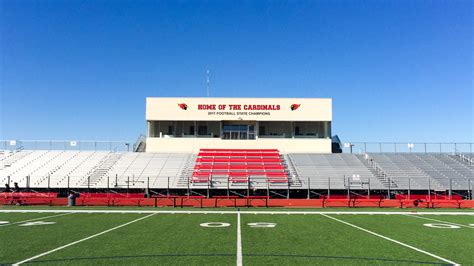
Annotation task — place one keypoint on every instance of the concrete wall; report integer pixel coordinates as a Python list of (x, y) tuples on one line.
[(192, 145)]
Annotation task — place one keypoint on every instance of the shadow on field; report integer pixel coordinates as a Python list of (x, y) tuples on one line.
[(233, 255)]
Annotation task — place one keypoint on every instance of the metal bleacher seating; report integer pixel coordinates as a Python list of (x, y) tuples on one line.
[(218, 168), (333, 171), (91, 168), (238, 165), (424, 170)]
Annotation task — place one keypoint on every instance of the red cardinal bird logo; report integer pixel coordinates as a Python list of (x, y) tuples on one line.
[(183, 106), (295, 106)]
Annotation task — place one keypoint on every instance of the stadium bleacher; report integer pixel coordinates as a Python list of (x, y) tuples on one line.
[(108, 169), (239, 165)]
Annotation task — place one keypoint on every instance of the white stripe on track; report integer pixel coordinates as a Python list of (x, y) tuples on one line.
[(468, 213), (440, 221), (36, 219), (239, 242), (81, 240), (393, 240)]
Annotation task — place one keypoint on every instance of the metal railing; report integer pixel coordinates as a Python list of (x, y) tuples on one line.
[(408, 147), (86, 145)]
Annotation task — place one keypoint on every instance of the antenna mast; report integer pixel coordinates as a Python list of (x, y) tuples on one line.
[(207, 82)]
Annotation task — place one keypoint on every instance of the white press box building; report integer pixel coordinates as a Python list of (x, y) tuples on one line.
[(291, 125)]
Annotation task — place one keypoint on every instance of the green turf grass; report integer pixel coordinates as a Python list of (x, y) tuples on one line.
[(177, 239), (317, 240), (163, 238), (19, 242), (454, 244)]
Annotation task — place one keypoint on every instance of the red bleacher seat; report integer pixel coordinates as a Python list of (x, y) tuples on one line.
[(239, 164)]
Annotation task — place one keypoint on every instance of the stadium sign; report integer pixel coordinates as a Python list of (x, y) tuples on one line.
[(237, 109)]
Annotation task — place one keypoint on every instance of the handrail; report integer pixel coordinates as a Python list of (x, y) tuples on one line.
[(408, 147)]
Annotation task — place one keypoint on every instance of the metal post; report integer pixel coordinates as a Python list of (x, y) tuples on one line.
[(128, 184), (348, 189), (148, 184), (88, 183), (429, 189), (368, 191), (440, 149), (425, 148), (469, 190), (208, 184), (409, 188), (389, 192), (365, 147), (248, 187), (395, 145), (68, 180), (450, 188), (329, 187), (380, 147), (167, 187), (268, 189), (288, 191), (309, 189), (116, 180), (189, 190), (108, 183), (228, 185)]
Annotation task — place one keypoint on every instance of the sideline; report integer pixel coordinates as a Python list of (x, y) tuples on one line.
[(242, 212), (440, 221), (393, 240), (81, 240), (35, 219)]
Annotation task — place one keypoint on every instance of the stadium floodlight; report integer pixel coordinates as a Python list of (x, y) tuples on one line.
[(73, 143), (410, 146), (12, 142)]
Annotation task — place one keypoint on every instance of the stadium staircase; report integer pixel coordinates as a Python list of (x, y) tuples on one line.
[(465, 159), (377, 171), (12, 157), (76, 168), (405, 172), (324, 171), (140, 144), (443, 168), (102, 169), (17, 170), (292, 171)]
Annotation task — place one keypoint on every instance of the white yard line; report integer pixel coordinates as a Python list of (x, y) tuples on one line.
[(440, 221), (393, 240), (36, 219), (239, 242), (471, 213), (81, 240)]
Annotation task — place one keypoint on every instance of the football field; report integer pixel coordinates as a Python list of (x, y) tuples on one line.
[(83, 236)]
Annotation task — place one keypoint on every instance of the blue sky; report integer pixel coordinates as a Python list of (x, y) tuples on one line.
[(396, 70)]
